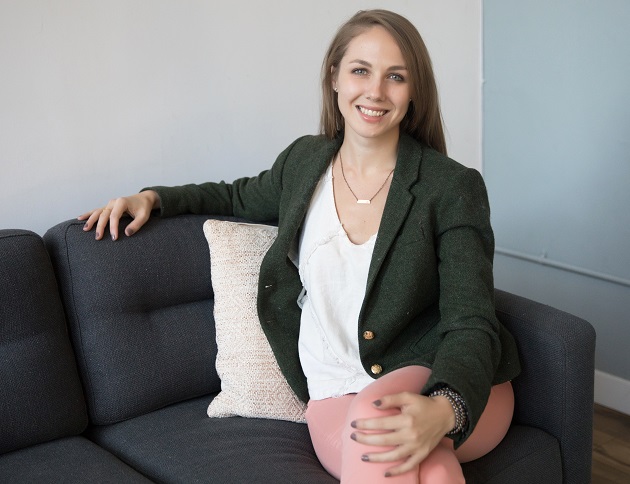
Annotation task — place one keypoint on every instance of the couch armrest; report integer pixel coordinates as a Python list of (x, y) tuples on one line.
[(554, 392)]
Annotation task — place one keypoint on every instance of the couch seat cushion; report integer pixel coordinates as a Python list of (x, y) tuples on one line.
[(68, 460), (526, 455), (181, 443)]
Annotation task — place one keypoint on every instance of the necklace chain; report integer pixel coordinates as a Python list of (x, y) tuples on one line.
[(359, 200)]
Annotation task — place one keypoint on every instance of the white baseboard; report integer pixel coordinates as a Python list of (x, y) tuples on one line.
[(612, 392)]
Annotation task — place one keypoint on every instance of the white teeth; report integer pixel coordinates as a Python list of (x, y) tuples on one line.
[(369, 112)]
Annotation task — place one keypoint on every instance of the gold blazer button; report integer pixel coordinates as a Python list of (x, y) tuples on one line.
[(368, 335), (376, 369)]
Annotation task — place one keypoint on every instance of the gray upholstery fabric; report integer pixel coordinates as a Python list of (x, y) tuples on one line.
[(140, 317), (181, 443), (526, 456), (41, 396), (555, 389), (140, 314), (68, 460)]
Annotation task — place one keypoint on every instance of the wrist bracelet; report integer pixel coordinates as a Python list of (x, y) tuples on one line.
[(459, 407)]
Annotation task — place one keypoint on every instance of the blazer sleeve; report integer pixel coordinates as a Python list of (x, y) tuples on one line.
[(470, 348), (253, 198)]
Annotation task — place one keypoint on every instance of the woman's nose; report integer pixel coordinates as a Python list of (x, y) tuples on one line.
[(375, 90)]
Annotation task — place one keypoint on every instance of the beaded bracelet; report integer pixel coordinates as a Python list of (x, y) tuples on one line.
[(459, 407)]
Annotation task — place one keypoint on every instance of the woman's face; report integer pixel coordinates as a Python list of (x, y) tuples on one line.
[(373, 86)]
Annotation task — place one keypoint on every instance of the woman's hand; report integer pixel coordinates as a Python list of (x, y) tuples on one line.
[(138, 206), (414, 433)]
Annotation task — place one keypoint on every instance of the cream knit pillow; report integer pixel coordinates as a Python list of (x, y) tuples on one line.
[(252, 384)]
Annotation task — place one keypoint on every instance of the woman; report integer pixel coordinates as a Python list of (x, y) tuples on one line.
[(394, 342)]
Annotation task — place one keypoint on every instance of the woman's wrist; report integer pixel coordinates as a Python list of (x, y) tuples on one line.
[(153, 198), (458, 405)]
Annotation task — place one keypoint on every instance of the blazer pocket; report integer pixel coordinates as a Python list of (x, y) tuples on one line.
[(427, 339)]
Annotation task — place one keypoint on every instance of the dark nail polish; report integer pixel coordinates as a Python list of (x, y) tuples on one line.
[(353, 436), (365, 458), (377, 403), (353, 424), (129, 232), (97, 235), (388, 474), (113, 237)]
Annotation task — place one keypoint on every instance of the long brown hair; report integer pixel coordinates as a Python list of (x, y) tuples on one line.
[(423, 120)]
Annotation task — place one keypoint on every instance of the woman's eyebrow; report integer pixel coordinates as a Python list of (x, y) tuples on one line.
[(367, 64)]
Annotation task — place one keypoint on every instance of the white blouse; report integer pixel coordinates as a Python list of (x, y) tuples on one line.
[(334, 274)]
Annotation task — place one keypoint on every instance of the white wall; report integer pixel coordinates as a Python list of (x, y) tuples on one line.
[(98, 99)]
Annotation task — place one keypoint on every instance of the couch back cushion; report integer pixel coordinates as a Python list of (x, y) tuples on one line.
[(42, 398), (140, 314)]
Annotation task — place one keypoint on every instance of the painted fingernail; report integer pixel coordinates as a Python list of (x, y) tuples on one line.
[(365, 458), (85, 227), (113, 237), (377, 403), (353, 436), (97, 235), (353, 424), (388, 474), (129, 232)]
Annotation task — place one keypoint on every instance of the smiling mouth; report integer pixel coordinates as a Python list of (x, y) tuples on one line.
[(369, 112)]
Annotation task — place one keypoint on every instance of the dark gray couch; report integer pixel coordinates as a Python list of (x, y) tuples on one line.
[(121, 395)]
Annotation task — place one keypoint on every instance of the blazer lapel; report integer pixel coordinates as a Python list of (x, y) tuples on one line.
[(399, 199), (302, 192), (398, 203)]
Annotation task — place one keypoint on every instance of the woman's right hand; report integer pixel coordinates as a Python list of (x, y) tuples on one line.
[(138, 206)]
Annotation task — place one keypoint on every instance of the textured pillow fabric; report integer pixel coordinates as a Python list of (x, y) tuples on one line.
[(252, 384)]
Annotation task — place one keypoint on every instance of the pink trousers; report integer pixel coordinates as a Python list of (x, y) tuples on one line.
[(329, 426)]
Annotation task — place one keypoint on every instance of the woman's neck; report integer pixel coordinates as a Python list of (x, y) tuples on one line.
[(367, 156)]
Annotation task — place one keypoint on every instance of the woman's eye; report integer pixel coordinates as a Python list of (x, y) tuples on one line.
[(359, 71), (397, 77)]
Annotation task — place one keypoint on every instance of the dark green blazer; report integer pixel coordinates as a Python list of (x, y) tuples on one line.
[(429, 295)]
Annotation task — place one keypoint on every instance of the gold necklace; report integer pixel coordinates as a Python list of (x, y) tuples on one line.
[(359, 200)]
